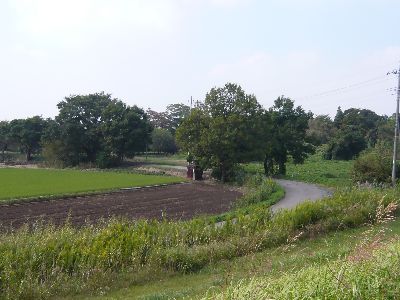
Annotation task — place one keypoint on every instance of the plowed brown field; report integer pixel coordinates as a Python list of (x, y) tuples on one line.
[(180, 201)]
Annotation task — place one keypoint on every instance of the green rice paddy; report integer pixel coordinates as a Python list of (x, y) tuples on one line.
[(29, 183)]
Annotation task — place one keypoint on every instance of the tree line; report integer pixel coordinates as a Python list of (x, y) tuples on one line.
[(228, 128), (93, 129), (231, 127)]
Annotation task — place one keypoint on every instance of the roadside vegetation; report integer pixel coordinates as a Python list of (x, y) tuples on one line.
[(18, 183), (268, 265)]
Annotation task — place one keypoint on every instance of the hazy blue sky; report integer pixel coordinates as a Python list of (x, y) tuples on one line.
[(153, 53)]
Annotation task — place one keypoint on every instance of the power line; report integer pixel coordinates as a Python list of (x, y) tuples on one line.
[(349, 87)]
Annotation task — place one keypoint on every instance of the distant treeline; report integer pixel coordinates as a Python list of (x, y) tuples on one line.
[(228, 128)]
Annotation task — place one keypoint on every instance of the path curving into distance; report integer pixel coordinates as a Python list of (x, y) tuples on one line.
[(297, 192)]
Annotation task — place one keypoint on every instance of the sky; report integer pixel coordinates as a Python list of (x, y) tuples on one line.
[(151, 53)]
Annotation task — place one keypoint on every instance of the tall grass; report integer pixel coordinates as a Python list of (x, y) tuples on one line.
[(39, 263), (374, 277)]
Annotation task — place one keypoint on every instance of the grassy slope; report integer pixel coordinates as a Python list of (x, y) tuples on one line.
[(24, 183), (271, 264)]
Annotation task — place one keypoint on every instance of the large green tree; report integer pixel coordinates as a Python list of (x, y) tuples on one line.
[(288, 136), (171, 118), (357, 129), (5, 138), (224, 131), (162, 141), (320, 129), (98, 129), (27, 134)]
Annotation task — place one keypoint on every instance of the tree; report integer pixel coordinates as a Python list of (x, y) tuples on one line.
[(158, 119), (125, 129), (357, 129), (363, 120), (346, 144), (176, 113), (96, 128), (27, 133), (79, 119), (5, 138), (320, 130), (163, 141), (171, 118), (224, 132), (288, 136), (192, 136), (338, 118)]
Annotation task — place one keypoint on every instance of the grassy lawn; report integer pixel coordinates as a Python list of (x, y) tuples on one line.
[(27, 183), (270, 264), (331, 173)]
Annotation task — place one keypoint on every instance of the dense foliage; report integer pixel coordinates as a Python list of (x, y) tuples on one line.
[(171, 118), (374, 165), (231, 127), (96, 129), (287, 136), (162, 141), (356, 129), (224, 131)]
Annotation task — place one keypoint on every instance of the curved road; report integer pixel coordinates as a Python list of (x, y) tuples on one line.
[(297, 192)]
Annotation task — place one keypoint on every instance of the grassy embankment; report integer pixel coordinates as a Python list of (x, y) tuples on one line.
[(235, 277), (29, 183)]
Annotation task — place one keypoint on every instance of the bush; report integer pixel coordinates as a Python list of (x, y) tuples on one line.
[(374, 165)]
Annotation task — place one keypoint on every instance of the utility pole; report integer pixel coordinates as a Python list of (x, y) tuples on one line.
[(396, 130)]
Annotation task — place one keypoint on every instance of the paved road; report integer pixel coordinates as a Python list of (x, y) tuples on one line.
[(297, 192)]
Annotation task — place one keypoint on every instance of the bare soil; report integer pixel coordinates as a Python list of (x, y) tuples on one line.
[(180, 201)]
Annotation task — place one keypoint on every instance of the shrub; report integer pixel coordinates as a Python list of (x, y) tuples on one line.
[(374, 165)]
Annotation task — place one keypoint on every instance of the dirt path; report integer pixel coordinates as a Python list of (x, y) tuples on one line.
[(297, 192), (181, 201)]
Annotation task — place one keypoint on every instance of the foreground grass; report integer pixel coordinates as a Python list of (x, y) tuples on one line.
[(330, 173), (52, 261), (228, 277), (27, 183), (371, 271)]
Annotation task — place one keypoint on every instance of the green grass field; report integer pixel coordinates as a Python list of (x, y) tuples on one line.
[(331, 173), (28, 183)]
